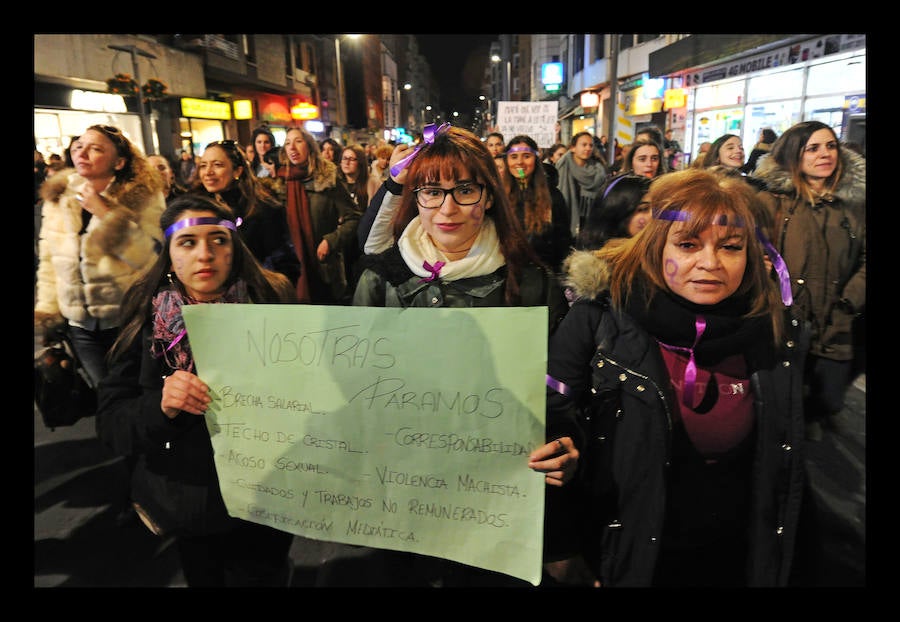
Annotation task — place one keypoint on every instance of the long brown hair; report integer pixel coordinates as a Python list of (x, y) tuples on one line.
[(787, 151), (360, 184), (254, 194), (535, 197), (459, 154), (136, 164)]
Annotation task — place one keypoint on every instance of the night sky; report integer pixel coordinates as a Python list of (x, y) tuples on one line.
[(457, 62)]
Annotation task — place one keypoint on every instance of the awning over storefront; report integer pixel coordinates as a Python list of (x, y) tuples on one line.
[(698, 50)]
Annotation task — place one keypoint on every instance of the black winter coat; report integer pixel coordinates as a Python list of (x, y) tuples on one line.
[(174, 480), (619, 411)]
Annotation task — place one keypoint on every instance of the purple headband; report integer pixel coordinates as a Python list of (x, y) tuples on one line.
[(429, 133), (206, 220), (613, 183), (784, 277), (522, 148), (721, 219)]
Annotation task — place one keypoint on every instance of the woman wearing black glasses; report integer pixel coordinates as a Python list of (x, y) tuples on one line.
[(457, 242), (451, 222), (224, 174)]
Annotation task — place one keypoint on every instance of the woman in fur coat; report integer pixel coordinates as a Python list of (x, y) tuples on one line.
[(100, 229)]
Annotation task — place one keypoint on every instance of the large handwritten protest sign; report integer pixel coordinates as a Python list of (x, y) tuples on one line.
[(403, 429), (535, 119)]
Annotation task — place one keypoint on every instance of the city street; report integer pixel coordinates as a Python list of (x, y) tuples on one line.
[(78, 488)]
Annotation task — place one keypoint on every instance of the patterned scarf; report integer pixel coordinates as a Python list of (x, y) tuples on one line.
[(169, 333), (300, 226)]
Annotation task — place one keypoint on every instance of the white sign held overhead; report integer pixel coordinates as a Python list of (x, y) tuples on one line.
[(534, 119)]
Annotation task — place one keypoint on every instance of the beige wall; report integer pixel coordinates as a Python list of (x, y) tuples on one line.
[(85, 61)]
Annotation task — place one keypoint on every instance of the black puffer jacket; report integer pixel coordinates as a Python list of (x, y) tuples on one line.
[(619, 409)]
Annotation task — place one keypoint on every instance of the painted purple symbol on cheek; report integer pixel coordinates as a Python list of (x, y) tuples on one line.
[(671, 269)]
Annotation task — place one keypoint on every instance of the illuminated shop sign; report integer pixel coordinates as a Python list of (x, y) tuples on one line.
[(205, 109)]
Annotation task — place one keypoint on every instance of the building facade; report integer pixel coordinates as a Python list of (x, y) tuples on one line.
[(224, 86)]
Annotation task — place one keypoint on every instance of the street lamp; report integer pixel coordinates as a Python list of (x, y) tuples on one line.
[(507, 83), (407, 114), (488, 115), (146, 130)]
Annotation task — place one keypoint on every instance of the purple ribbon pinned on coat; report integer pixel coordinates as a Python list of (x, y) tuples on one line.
[(428, 134), (435, 271), (690, 371), (784, 277)]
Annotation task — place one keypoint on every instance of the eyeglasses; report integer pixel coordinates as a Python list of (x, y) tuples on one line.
[(468, 193), (348, 159)]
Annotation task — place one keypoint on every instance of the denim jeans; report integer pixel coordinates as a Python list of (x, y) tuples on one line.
[(91, 347)]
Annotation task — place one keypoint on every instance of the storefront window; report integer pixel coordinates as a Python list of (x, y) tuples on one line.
[(777, 116), (780, 85), (54, 129), (201, 132), (713, 123), (776, 99), (843, 76), (583, 124), (724, 94), (828, 110)]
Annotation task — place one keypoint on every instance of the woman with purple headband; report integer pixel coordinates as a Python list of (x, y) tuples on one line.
[(679, 379), (152, 401), (540, 206)]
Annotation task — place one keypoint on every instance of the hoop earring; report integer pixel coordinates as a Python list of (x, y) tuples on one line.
[(172, 278)]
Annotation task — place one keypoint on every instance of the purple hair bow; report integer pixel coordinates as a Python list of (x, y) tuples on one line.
[(429, 133)]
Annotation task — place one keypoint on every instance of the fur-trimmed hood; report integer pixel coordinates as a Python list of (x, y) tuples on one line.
[(326, 176), (585, 274), (851, 188)]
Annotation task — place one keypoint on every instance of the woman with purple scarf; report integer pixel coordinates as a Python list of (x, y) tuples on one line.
[(152, 402)]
